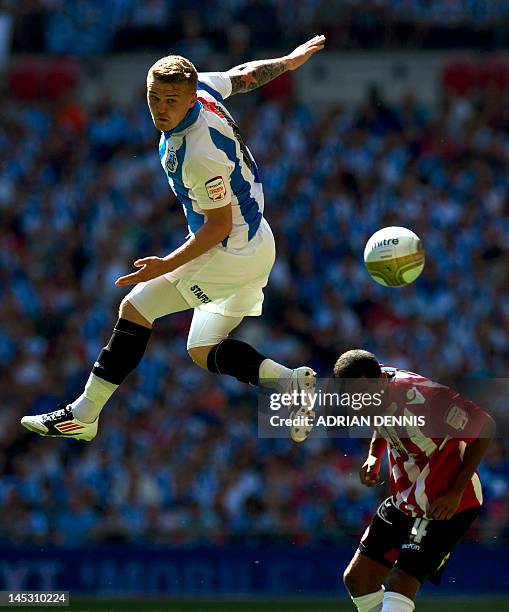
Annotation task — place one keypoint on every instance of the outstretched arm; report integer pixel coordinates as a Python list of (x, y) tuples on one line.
[(251, 75), (210, 234)]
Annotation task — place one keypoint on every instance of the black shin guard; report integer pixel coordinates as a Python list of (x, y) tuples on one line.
[(123, 352), (237, 359)]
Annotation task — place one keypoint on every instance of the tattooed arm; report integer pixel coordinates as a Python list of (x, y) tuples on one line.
[(251, 75)]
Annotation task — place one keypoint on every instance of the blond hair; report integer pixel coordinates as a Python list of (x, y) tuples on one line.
[(175, 69)]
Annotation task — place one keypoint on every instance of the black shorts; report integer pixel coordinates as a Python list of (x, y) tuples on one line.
[(418, 546)]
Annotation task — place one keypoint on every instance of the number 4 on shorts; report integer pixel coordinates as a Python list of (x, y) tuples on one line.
[(419, 530)]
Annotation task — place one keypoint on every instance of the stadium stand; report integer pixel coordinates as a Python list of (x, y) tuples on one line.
[(82, 195)]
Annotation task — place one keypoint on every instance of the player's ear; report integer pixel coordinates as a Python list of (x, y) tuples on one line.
[(193, 100)]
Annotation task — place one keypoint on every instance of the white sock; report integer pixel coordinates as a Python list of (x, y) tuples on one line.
[(88, 405), (372, 602), (396, 602), (271, 372)]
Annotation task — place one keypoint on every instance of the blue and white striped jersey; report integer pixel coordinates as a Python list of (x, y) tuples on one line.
[(208, 165)]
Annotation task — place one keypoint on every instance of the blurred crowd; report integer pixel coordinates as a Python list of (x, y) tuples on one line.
[(177, 459), (195, 29)]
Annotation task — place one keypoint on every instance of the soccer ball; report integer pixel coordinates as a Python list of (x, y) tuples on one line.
[(394, 256)]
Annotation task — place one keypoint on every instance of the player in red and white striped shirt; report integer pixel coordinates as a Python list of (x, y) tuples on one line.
[(436, 491)]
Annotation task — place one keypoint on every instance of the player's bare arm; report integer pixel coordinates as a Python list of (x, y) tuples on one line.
[(444, 507), (251, 75), (217, 227), (370, 470)]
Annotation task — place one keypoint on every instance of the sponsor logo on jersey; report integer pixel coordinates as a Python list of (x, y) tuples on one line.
[(415, 397), (216, 189), (171, 161), (200, 294)]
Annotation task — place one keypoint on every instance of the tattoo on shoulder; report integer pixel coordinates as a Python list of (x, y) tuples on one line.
[(246, 78)]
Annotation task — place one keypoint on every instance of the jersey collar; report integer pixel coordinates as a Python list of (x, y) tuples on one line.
[(187, 121)]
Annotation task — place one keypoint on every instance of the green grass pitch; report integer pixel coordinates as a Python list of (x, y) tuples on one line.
[(493, 604)]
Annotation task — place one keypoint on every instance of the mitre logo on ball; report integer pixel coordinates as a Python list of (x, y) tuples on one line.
[(394, 256)]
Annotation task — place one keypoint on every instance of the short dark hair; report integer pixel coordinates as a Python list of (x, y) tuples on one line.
[(357, 363)]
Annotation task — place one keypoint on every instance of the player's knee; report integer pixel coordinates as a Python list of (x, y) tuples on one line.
[(363, 576), (128, 311), (400, 582), (199, 355)]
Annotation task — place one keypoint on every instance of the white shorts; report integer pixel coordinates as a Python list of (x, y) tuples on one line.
[(229, 282), (159, 297), (223, 282)]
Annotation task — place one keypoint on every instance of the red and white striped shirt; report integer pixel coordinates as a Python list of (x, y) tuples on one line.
[(425, 460)]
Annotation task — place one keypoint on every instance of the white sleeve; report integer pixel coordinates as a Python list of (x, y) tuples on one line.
[(218, 81), (208, 180)]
